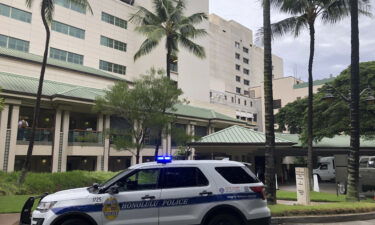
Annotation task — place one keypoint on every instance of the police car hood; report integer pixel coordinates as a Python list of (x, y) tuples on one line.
[(70, 194)]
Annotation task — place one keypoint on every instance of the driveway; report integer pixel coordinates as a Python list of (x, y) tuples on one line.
[(9, 219)]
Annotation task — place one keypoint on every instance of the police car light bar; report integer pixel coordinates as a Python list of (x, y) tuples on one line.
[(164, 159)]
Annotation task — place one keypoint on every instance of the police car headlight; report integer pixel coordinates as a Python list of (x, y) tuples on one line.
[(43, 207)]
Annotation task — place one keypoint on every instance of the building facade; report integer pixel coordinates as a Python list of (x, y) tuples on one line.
[(87, 54)]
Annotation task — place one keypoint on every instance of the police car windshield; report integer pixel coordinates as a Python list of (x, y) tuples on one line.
[(115, 178)]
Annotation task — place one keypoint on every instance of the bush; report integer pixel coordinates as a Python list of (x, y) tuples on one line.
[(37, 183)]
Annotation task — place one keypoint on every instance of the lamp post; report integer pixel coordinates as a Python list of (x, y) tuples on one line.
[(329, 97)]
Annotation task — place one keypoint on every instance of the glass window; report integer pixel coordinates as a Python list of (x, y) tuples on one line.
[(14, 43), (66, 56), (246, 61), (371, 163), (112, 67), (67, 29), (238, 67), (200, 131), (237, 56), (113, 43), (246, 71), (363, 163), (237, 44), (277, 104), (246, 82), (238, 79), (246, 50), (146, 179), (21, 15), (236, 175), (238, 90), (4, 10), (71, 5), (184, 177), (323, 167), (114, 20), (3, 41)]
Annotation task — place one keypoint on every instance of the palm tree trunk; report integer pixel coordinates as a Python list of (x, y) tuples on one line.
[(310, 105), (353, 159), (26, 165), (169, 55), (158, 144), (268, 93)]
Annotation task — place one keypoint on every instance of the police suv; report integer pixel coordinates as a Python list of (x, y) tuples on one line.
[(161, 193)]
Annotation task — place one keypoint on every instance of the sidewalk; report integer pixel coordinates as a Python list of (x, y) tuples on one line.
[(10, 219)]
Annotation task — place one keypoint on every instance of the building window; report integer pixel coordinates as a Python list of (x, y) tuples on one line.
[(246, 93), (66, 56), (68, 30), (238, 67), (246, 50), (238, 79), (111, 43), (246, 71), (14, 43), (112, 67), (174, 64), (15, 13), (71, 5), (255, 119), (277, 104), (114, 20), (232, 100), (246, 60), (245, 103), (237, 44), (238, 90), (237, 56), (239, 101), (251, 104), (246, 82)]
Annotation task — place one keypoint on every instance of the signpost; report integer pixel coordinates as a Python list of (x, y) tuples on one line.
[(303, 186)]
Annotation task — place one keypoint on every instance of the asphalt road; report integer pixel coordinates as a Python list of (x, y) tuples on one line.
[(367, 222)]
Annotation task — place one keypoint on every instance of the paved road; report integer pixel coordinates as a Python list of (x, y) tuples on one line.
[(367, 222)]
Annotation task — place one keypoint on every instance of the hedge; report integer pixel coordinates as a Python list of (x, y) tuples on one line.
[(37, 183)]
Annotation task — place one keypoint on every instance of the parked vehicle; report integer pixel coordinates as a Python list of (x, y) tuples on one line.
[(367, 173), (326, 169), (165, 193)]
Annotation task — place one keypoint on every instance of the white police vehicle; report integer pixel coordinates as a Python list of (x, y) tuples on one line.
[(161, 193)]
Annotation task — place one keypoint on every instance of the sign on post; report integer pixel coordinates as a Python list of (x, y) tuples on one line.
[(303, 186)]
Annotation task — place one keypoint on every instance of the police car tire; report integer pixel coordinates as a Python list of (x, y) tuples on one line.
[(75, 222), (224, 219)]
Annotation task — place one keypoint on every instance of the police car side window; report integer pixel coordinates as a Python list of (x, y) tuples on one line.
[(141, 180), (180, 177), (236, 175)]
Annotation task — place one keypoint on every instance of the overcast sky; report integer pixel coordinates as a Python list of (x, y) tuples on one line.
[(332, 41)]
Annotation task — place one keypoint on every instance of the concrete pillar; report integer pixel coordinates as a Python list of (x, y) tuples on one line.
[(192, 133), (164, 143), (99, 128), (107, 125), (64, 153), (3, 133), (169, 140), (99, 125), (13, 137), (57, 147), (133, 160)]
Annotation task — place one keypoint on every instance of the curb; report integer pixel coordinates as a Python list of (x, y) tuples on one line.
[(323, 218)]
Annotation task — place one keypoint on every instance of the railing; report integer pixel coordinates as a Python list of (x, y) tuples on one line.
[(41, 134), (85, 137)]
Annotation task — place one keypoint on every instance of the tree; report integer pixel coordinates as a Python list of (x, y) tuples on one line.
[(335, 113), (304, 15), (46, 11), (268, 97), (143, 107), (169, 22)]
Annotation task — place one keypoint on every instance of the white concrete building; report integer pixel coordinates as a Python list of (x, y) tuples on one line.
[(88, 53)]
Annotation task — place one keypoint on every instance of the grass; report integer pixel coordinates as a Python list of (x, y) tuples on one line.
[(315, 196), (12, 203), (323, 209)]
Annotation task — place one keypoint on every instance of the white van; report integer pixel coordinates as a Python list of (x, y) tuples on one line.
[(326, 169)]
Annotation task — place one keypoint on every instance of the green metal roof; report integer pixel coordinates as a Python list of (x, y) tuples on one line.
[(29, 85), (57, 63), (339, 141), (315, 83), (239, 135)]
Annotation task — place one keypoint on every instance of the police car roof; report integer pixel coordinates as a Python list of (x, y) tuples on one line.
[(188, 162)]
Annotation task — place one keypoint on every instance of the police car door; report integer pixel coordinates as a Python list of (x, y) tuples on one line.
[(136, 200), (185, 195)]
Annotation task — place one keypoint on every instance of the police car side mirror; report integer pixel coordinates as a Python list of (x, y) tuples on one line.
[(113, 189)]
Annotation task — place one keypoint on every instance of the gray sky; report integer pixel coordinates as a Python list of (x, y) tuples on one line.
[(332, 41)]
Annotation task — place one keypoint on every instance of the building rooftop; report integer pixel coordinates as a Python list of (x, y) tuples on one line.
[(238, 135), (315, 83), (10, 53), (18, 84)]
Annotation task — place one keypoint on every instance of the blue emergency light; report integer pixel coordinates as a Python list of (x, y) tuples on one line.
[(164, 159)]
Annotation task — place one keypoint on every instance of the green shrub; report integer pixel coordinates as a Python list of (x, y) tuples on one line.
[(37, 183)]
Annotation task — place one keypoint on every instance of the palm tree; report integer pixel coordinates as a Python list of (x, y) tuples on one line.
[(47, 9), (169, 22), (304, 15), (268, 96)]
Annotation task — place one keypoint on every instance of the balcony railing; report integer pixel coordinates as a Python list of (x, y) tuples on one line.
[(41, 135), (84, 137)]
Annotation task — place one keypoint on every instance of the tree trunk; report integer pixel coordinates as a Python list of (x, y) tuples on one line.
[(269, 116), (137, 155), (353, 159), (158, 144), (26, 165), (169, 55), (310, 135)]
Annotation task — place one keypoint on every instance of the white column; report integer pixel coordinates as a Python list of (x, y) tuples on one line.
[(134, 160), (64, 155), (107, 125), (3, 133), (13, 137), (192, 133), (164, 142), (99, 128), (169, 140), (56, 141), (99, 125)]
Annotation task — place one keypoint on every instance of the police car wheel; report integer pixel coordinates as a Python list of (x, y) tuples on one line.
[(224, 219), (75, 222)]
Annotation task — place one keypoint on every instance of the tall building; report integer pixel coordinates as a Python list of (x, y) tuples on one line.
[(87, 54)]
